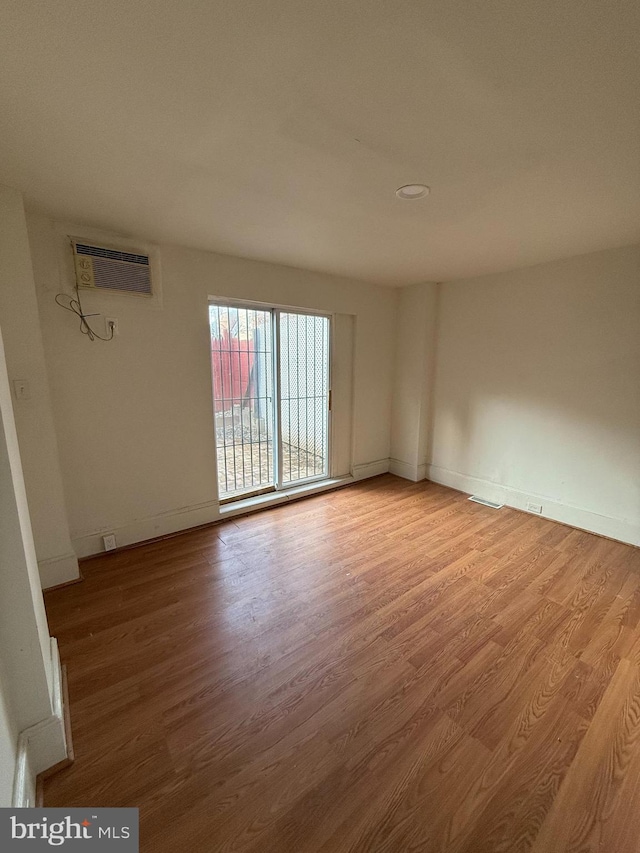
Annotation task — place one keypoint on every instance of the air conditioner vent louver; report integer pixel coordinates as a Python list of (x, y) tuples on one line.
[(485, 502), (112, 254), (102, 268)]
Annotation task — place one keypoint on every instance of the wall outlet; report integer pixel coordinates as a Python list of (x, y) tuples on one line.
[(111, 325), (109, 542), (534, 508)]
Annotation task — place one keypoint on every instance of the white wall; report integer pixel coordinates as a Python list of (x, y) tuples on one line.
[(8, 744), (32, 733), (23, 622), (538, 390), (413, 382), (134, 416), (34, 420)]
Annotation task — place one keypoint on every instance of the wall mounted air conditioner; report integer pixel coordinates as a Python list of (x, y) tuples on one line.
[(104, 268)]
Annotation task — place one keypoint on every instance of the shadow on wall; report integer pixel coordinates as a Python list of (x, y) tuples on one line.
[(538, 382)]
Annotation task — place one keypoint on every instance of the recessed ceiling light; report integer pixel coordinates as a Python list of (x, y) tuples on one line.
[(411, 191)]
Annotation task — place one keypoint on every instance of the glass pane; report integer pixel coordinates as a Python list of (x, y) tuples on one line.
[(242, 368), (304, 369)]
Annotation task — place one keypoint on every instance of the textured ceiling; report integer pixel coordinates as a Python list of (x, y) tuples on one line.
[(279, 129)]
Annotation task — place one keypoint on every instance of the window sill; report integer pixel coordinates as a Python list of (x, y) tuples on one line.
[(240, 507)]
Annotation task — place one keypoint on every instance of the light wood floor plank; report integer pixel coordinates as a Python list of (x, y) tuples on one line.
[(388, 667)]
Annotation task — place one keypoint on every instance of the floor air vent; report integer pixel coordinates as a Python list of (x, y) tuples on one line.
[(485, 503)]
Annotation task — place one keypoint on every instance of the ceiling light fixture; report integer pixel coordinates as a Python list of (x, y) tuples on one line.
[(412, 191)]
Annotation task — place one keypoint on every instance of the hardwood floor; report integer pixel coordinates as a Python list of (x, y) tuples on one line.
[(388, 667)]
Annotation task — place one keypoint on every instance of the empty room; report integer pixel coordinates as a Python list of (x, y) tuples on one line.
[(320, 426)]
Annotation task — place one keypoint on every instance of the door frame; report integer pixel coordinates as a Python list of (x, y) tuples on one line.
[(276, 311)]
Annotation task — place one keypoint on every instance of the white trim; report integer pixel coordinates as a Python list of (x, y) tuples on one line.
[(42, 745), (57, 570), (317, 478), (276, 498), (370, 469), (276, 406), (584, 519), (342, 384), (172, 521), (415, 473), (233, 302), (24, 780), (57, 698)]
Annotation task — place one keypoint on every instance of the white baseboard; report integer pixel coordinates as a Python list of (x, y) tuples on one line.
[(614, 528), (370, 469), (57, 570), (415, 473), (43, 745), (86, 545)]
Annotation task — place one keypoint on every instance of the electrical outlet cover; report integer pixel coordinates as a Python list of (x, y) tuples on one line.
[(109, 542), (111, 323)]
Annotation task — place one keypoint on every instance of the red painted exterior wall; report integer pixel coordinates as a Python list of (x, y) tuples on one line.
[(231, 363)]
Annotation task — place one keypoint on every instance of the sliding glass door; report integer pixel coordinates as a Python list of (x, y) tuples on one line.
[(242, 358), (304, 392), (270, 370)]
